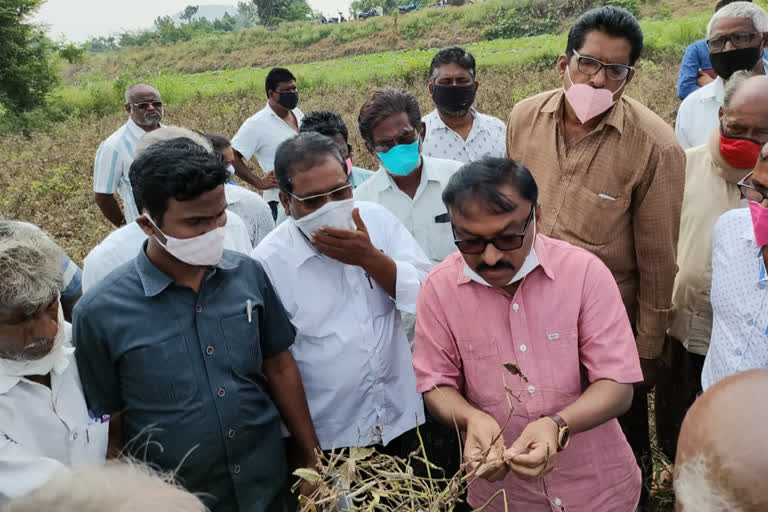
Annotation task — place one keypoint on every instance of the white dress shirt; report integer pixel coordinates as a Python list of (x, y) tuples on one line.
[(123, 244), (252, 209), (425, 216), (44, 430), (698, 115), (739, 300), (113, 161), (488, 136), (260, 135), (353, 355)]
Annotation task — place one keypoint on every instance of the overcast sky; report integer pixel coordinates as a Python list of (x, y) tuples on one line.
[(77, 20)]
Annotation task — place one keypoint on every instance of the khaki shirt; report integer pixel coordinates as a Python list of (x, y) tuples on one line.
[(707, 196), (617, 192)]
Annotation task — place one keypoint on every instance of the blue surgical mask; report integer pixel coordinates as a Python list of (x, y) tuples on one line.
[(402, 159)]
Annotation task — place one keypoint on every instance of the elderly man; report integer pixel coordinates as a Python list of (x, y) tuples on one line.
[(611, 175), (524, 342), (712, 174), (261, 133), (188, 343), (737, 36), (44, 422), (455, 130), (344, 271), (115, 154), (721, 463), (740, 283)]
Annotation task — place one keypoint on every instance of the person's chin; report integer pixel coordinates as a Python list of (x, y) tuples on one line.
[(497, 277), (454, 113)]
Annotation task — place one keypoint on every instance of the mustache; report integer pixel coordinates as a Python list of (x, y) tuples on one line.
[(498, 266)]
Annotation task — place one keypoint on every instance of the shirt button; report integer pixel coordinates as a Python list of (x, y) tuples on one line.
[(199, 308), (515, 306), (221, 392), (554, 210), (236, 469), (523, 348), (558, 502), (209, 350), (74, 436), (231, 433), (564, 178), (531, 389)]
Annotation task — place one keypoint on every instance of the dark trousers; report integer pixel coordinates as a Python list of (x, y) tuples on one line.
[(678, 385), (634, 423), (273, 206)]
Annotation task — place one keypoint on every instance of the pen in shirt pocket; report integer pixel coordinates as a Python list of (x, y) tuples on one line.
[(249, 309), (606, 196)]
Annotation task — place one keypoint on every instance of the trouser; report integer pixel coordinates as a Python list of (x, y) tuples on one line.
[(634, 423), (273, 206), (678, 385)]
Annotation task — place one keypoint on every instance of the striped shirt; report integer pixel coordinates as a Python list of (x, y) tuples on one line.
[(113, 160)]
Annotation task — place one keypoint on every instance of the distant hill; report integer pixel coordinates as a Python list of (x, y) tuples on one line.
[(210, 12)]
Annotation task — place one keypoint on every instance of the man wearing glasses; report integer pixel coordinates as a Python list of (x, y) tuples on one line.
[(344, 271), (712, 172), (740, 283), (523, 341), (115, 154), (737, 36), (611, 175)]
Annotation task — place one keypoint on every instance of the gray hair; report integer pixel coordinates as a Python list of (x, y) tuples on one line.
[(30, 268), (166, 133), (697, 490), (734, 84), (117, 485), (138, 85), (747, 10)]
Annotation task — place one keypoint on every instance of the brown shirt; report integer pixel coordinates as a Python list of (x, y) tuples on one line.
[(616, 192)]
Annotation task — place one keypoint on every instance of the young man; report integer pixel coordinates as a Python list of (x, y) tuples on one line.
[(344, 271), (115, 154), (455, 130), (611, 175), (261, 133), (737, 37), (740, 283), (187, 345), (712, 174), (44, 421), (524, 341)]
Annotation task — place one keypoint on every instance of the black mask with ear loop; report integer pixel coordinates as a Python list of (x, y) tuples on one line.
[(289, 100), (727, 63)]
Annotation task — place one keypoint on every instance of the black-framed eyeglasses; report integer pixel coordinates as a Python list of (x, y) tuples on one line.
[(316, 201), (738, 40), (591, 66), (144, 105), (749, 192), (501, 242), (406, 138)]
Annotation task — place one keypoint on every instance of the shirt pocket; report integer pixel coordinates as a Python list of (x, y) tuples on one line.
[(243, 343), (440, 236), (596, 217), (483, 380), (92, 444), (563, 371)]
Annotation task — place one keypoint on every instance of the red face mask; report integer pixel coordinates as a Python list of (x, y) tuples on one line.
[(739, 153)]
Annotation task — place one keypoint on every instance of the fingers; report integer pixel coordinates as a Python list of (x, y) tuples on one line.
[(532, 465), (358, 220), (336, 233)]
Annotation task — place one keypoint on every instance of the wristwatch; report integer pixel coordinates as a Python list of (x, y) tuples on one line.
[(563, 433)]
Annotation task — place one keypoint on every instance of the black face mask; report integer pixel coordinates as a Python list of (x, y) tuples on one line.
[(288, 100), (453, 99), (726, 64)]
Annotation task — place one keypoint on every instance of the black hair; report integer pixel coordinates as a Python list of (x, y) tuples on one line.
[(325, 123), (480, 180), (301, 153), (611, 20), (383, 104), (176, 169), (455, 55), (275, 76), (219, 142), (723, 3)]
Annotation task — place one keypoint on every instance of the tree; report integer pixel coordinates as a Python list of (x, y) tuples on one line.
[(359, 6), (247, 15), (189, 13), (28, 73), (272, 12)]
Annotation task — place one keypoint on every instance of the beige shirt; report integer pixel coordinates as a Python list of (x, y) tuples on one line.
[(617, 192), (710, 191)]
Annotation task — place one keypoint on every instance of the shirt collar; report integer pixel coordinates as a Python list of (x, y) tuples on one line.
[(540, 246), (440, 124), (7, 383), (302, 250), (615, 116), (382, 180), (136, 130)]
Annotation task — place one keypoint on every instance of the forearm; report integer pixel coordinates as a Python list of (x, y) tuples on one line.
[(602, 401), (383, 270), (449, 407), (116, 437), (243, 172), (110, 208), (288, 394)]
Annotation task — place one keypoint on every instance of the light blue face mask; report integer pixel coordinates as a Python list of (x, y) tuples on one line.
[(402, 159)]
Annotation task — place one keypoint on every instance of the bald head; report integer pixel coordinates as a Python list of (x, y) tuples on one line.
[(744, 114), (143, 103), (139, 89), (722, 459)]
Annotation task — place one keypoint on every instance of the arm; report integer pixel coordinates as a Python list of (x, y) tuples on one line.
[(688, 74), (288, 393), (680, 130), (110, 208), (22, 471), (243, 172), (108, 168), (72, 277)]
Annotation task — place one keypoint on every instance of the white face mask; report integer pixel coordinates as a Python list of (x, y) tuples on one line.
[(530, 263), (203, 251), (334, 214), (57, 360)]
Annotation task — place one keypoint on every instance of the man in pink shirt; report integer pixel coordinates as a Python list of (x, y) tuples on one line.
[(525, 343)]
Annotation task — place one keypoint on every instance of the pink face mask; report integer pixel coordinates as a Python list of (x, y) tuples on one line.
[(349, 165), (588, 102), (759, 222)]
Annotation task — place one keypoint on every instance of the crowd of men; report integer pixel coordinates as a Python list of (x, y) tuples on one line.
[(527, 283)]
